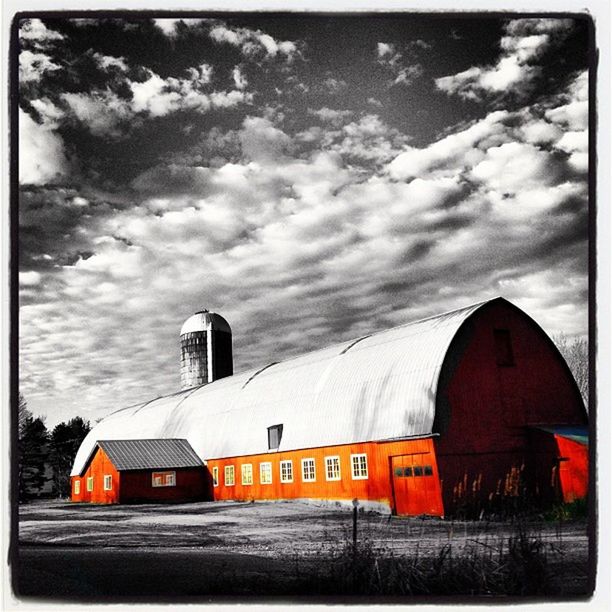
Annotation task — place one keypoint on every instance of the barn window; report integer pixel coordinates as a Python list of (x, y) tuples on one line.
[(90, 483), (417, 470), (163, 479), (229, 475), (407, 471), (265, 473), (215, 476), (275, 433), (308, 470), (428, 470), (247, 474), (77, 487), (503, 347), (108, 482), (359, 464), (332, 468), (286, 471)]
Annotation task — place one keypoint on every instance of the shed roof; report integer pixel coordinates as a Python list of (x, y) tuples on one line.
[(162, 453), (327, 397), (577, 433)]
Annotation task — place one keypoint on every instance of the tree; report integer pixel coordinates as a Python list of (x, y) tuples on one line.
[(23, 413), (33, 451), (65, 441), (576, 354)]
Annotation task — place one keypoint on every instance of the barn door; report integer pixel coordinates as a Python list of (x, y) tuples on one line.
[(415, 485)]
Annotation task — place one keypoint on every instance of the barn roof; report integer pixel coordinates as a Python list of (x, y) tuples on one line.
[(162, 453), (327, 397)]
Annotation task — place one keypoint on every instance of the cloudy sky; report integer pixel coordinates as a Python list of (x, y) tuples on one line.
[(312, 179)]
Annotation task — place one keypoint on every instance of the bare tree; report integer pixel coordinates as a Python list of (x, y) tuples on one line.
[(576, 354)]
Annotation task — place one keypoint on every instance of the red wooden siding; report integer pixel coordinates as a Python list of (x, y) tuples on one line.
[(483, 449), (378, 486), (573, 468), (136, 485)]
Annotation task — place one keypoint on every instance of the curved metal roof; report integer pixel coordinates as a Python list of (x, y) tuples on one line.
[(327, 397)]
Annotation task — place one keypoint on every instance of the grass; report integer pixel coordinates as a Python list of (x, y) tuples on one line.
[(514, 566)]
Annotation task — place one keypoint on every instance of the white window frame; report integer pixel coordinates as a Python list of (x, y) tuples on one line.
[(77, 487), (330, 462), (215, 476), (246, 470), (108, 482), (287, 475), (265, 472), (163, 479), (357, 466), (90, 483), (312, 462), (229, 476)]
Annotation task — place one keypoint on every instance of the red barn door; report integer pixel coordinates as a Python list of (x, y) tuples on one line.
[(416, 486)]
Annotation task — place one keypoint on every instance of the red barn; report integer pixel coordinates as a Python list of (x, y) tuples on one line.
[(123, 471), (464, 409)]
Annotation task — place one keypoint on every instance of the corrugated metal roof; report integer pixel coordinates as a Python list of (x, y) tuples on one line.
[(577, 433), (379, 388), (150, 454)]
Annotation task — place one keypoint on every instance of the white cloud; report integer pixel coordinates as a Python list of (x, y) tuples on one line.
[(515, 72), (254, 42), (107, 61), (103, 112), (29, 279), (170, 26), (42, 158), (385, 50), (240, 80), (32, 66), (261, 141), (36, 32), (334, 116)]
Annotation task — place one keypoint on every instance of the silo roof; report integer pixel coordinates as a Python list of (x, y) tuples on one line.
[(378, 387), (203, 321)]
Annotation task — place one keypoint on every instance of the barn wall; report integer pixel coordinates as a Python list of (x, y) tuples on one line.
[(98, 467), (136, 486), (573, 468), (377, 488), (485, 439)]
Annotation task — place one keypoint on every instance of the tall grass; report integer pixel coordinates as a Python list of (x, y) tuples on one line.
[(513, 565)]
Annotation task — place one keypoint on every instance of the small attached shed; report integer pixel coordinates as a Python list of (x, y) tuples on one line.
[(128, 471)]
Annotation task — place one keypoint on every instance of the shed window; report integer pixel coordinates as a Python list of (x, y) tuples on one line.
[(229, 475), (308, 470), (247, 474), (286, 471), (90, 483), (265, 473), (275, 433), (163, 479), (332, 468), (215, 476), (503, 347), (359, 466), (77, 487), (108, 482)]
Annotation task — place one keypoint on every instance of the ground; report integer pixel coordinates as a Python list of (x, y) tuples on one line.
[(265, 548)]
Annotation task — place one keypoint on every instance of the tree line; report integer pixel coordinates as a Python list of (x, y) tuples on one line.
[(46, 457)]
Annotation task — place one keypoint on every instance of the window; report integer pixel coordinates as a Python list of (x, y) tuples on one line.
[(332, 468), (215, 476), (428, 470), (286, 471), (77, 487), (308, 470), (417, 470), (247, 474), (503, 347), (275, 433), (108, 482), (163, 479), (229, 475), (359, 465), (265, 473), (90, 483)]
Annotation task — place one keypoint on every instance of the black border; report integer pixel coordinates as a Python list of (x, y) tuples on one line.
[(592, 527)]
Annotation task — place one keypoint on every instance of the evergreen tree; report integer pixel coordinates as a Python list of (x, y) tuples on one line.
[(33, 451), (64, 444)]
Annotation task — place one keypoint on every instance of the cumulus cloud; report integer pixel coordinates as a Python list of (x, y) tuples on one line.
[(32, 66), (35, 32), (170, 27), (253, 43), (42, 157), (402, 73), (516, 71)]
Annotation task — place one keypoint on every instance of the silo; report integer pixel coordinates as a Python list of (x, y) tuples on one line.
[(206, 349)]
